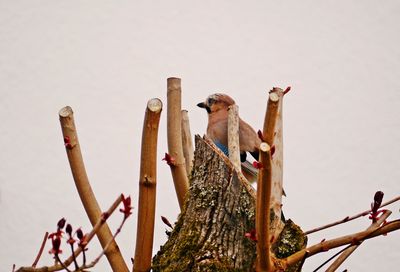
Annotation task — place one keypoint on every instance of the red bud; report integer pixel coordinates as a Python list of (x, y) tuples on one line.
[(61, 223)]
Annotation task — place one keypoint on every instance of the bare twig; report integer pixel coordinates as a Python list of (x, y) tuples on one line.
[(187, 142), (390, 201), (61, 263), (346, 253), (174, 135), (99, 224), (264, 262), (233, 136), (147, 187), (287, 90), (41, 249), (89, 237), (85, 191), (74, 257), (331, 258), (97, 259), (344, 240), (349, 218)]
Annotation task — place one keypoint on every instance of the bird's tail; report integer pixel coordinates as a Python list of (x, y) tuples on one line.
[(249, 171)]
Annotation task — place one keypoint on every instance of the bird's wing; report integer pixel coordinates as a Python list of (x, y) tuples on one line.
[(249, 140)]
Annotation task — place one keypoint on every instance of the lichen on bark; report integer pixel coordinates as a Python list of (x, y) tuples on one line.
[(290, 240)]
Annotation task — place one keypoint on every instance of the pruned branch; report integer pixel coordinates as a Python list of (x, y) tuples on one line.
[(263, 213), (85, 191), (233, 136), (271, 116), (147, 187), (273, 135), (174, 135), (187, 142), (265, 230)]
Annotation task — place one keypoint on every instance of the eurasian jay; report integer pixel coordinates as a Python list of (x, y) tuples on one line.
[(216, 106)]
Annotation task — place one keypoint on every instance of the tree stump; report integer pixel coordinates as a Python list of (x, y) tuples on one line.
[(210, 234)]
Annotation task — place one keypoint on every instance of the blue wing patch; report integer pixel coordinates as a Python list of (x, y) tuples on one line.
[(222, 147)]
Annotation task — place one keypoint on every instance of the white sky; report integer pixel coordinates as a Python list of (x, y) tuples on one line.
[(106, 59)]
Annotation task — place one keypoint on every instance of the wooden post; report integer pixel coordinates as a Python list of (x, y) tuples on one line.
[(147, 187)]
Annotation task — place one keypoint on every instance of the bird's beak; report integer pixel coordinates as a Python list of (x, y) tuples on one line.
[(201, 105), (204, 106)]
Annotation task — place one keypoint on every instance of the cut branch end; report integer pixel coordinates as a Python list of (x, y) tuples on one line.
[(264, 147), (154, 105), (65, 112), (274, 97)]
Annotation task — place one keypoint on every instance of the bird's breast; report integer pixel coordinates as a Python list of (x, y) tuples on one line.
[(218, 131)]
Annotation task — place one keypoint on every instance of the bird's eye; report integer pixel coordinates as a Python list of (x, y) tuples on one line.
[(210, 101)]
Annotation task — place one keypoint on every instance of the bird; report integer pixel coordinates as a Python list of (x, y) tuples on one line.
[(217, 106)]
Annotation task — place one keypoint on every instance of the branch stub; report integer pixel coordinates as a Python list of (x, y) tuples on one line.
[(154, 105)]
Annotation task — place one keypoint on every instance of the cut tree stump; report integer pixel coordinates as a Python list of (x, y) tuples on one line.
[(210, 234)]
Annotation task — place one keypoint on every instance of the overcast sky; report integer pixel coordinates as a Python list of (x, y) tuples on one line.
[(106, 59)]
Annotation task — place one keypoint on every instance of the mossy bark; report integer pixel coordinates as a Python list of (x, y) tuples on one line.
[(219, 211), (290, 240)]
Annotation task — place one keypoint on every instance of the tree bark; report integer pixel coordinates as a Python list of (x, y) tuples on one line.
[(210, 234)]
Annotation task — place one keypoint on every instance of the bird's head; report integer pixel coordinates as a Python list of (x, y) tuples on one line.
[(216, 102)]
